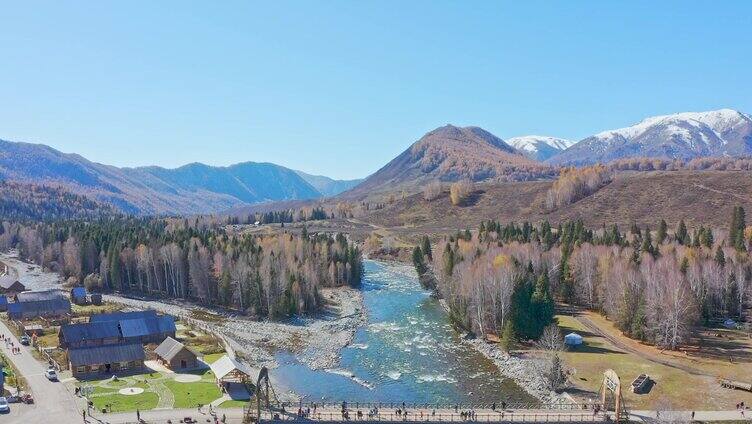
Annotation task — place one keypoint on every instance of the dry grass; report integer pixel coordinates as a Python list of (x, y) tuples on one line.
[(85, 311), (677, 387), (698, 197)]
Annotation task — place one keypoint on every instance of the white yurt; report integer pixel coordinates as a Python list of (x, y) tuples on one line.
[(572, 339), (729, 323)]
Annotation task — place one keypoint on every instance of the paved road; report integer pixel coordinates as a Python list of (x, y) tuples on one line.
[(53, 403)]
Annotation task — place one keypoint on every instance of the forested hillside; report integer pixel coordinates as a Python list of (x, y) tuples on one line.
[(266, 276), (31, 202), (655, 284)]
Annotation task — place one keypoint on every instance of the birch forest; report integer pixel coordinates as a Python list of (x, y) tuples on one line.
[(268, 276), (654, 284)]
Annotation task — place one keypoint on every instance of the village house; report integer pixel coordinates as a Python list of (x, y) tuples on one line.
[(175, 355), (35, 304), (3, 303), (89, 334), (140, 326), (10, 286), (229, 371), (98, 361)]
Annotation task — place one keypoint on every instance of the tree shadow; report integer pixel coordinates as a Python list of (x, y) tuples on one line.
[(472, 198)]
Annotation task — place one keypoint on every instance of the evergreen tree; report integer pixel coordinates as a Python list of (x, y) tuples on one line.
[(507, 336), (542, 304), (448, 266), (418, 262), (638, 327), (682, 235), (720, 258), (662, 232), (426, 248), (647, 243)]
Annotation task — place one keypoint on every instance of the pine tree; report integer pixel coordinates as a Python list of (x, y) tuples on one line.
[(448, 258), (662, 232), (426, 248), (720, 258), (647, 243), (682, 236), (507, 336), (420, 266), (736, 230), (542, 305)]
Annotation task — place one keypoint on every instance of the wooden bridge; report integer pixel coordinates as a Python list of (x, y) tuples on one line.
[(268, 409), (397, 413)]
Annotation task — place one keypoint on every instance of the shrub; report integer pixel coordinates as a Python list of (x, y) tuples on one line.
[(459, 191), (432, 190)]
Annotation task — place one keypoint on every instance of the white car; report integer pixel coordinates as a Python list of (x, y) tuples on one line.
[(4, 405), (51, 374)]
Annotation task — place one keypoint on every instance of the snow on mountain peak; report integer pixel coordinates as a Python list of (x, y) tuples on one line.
[(539, 147), (719, 121)]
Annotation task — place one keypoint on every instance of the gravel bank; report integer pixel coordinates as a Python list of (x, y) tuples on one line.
[(523, 370), (316, 341)]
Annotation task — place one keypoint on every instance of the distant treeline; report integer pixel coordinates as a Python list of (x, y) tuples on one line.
[(655, 285), (266, 276)]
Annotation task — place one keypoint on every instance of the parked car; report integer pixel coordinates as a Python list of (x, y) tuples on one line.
[(25, 340), (51, 374), (4, 407)]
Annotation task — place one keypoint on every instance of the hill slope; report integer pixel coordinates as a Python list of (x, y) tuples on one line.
[(451, 153), (194, 188), (698, 197), (687, 135)]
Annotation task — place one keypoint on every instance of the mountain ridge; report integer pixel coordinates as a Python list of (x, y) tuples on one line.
[(189, 189), (451, 153), (540, 147), (684, 136)]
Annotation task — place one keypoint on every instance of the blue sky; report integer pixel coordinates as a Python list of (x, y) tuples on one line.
[(340, 88)]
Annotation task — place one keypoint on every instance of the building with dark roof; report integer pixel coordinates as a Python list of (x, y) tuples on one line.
[(78, 295), (89, 334), (39, 295), (49, 303), (99, 361), (148, 330), (120, 316), (9, 285), (3, 303), (176, 355)]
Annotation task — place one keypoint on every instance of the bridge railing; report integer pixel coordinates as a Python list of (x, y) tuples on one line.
[(536, 417), (436, 406)]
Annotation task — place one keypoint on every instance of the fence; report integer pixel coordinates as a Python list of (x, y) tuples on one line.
[(442, 406), (393, 417)]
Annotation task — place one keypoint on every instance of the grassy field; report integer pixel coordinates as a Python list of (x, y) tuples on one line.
[(673, 387), (212, 357), (234, 404), (160, 390), (190, 395), (89, 310)]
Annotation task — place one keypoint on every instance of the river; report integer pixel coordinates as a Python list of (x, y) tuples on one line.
[(406, 352)]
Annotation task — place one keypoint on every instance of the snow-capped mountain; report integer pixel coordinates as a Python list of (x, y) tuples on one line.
[(687, 135), (539, 147)]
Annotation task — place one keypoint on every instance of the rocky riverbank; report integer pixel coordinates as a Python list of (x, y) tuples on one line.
[(316, 341), (525, 371)]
